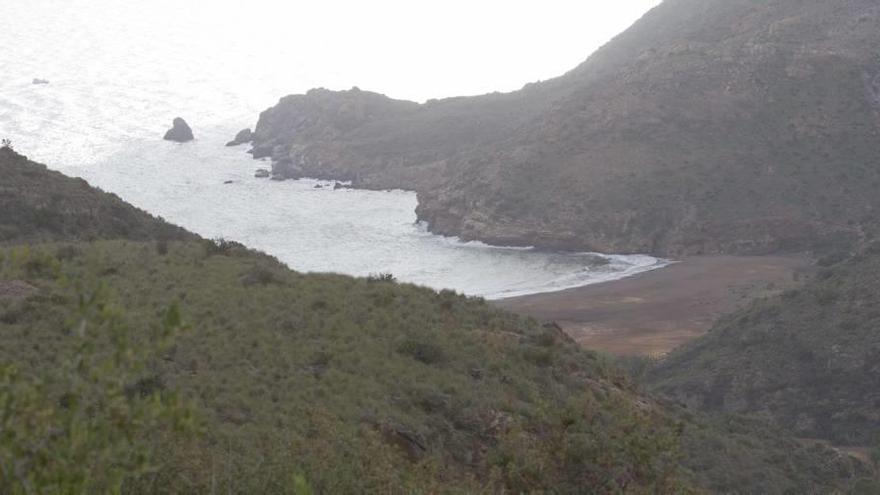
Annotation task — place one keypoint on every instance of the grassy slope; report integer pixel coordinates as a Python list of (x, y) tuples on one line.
[(324, 374), (37, 204), (355, 384), (807, 359), (371, 385)]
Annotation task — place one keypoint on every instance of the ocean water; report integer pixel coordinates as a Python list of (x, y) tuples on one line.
[(119, 72)]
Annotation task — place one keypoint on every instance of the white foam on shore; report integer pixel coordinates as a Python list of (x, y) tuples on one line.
[(628, 268)]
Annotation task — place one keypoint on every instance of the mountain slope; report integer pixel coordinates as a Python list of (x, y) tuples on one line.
[(367, 385), (808, 360), (340, 385), (710, 126), (37, 204), (329, 382), (358, 385)]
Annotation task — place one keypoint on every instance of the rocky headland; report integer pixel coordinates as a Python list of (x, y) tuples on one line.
[(708, 127)]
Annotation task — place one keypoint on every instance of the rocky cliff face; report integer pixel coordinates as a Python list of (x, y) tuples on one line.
[(710, 126)]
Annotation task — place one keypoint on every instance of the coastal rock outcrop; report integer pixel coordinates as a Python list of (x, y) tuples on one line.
[(180, 132), (710, 126), (243, 136)]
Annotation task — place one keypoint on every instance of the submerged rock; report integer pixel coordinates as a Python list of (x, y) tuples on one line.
[(40, 81), (243, 136), (180, 132)]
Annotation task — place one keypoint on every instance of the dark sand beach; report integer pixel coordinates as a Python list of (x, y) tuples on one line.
[(654, 312)]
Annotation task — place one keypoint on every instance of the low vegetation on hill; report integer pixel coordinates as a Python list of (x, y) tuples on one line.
[(354, 385), (349, 385), (201, 366), (808, 359), (39, 205)]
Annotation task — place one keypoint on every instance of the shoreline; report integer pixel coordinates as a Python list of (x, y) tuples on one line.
[(632, 271), (652, 312), (632, 264)]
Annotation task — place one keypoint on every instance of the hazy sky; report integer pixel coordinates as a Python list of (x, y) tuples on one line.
[(414, 49), (424, 49)]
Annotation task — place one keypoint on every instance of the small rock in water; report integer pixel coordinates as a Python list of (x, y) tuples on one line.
[(228, 181), (180, 132), (262, 173), (40, 81), (243, 136), (319, 186)]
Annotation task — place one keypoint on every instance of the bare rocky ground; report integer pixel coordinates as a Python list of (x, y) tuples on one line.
[(15, 289)]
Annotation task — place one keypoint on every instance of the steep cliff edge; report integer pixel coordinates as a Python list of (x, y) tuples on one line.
[(708, 127)]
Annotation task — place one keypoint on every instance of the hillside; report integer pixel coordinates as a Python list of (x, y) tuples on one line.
[(710, 126), (356, 384), (808, 360), (38, 205), (326, 384), (367, 385)]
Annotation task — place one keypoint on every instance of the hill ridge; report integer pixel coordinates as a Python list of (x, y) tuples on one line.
[(708, 127)]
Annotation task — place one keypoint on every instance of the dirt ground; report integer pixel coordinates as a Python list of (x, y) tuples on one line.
[(654, 312), (15, 289)]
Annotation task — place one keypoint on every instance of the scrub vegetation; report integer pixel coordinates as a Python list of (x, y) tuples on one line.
[(809, 359), (178, 364)]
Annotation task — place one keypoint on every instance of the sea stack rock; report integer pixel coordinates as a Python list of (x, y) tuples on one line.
[(180, 132), (243, 136)]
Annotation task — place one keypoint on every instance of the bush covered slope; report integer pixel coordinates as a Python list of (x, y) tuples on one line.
[(710, 126), (349, 385), (354, 384), (281, 382), (37, 204), (808, 359)]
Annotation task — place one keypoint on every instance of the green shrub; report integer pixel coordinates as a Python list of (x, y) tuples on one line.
[(425, 352), (381, 277), (222, 247), (86, 424), (259, 275)]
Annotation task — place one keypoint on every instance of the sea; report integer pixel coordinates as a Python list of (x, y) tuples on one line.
[(119, 72)]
